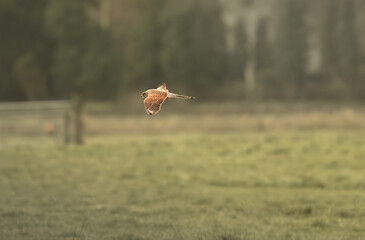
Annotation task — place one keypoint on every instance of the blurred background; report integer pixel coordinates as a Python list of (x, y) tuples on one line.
[(214, 49), (259, 60), (272, 58), (272, 148)]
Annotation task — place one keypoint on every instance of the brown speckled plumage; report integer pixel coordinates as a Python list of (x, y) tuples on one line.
[(155, 97)]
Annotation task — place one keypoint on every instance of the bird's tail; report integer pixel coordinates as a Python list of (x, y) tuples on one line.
[(179, 96)]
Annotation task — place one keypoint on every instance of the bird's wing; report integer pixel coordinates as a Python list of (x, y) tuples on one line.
[(154, 101), (162, 87)]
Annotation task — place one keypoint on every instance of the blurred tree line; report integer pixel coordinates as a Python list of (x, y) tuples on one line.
[(52, 48)]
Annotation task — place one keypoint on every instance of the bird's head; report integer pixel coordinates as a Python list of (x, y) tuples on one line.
[(144, 94)]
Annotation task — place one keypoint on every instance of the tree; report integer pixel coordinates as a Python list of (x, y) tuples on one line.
[(263, 49), (263, 57), (330, 40), (31, 77), (341, 52), (143, 45), (178, 42), (349, 48), (239, 55), (22, 35), (194, 50), (83, 59), (292, 48)]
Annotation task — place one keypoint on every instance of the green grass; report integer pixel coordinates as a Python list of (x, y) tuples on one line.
[(224, 186)]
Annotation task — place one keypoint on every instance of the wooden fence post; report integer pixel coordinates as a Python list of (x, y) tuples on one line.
[(77, 108), (67, 127)]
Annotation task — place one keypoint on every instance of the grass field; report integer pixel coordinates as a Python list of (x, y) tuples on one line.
[(283, 184)]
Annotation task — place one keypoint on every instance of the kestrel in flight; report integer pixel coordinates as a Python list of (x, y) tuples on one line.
[(153, 98)]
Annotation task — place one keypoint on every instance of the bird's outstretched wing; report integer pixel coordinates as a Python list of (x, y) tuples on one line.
[(162, 87), (154, 101)]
